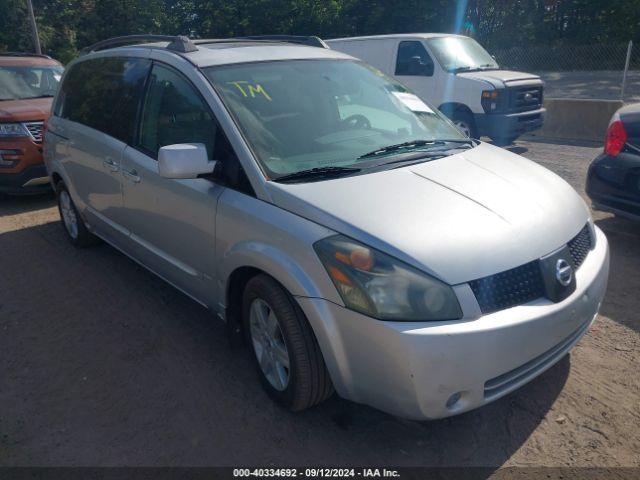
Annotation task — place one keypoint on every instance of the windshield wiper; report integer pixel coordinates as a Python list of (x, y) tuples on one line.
[(399, 146), (465, 68), (413, 160), (477, 68), (414, 144), (48, 95), (317, 173)]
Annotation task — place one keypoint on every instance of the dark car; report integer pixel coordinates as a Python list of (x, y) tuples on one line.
[(613, 181)]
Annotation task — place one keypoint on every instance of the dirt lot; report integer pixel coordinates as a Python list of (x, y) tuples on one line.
[(101, 363)]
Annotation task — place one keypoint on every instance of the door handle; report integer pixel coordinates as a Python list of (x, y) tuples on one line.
[(110, 164), (131, 175)]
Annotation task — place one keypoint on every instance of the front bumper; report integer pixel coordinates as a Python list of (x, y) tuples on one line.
[(413, 369), (509, 125), (26, 173), (31, 180)]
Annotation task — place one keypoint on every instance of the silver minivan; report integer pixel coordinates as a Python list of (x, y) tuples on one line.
[(347, 230)]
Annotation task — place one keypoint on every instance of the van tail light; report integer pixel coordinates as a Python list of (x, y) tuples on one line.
[(616, 138)]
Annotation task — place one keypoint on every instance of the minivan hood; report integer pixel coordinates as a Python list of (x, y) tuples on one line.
[(501, 78), (458, 218), (25, 110)]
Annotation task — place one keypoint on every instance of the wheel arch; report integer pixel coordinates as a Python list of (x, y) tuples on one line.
[(449, 108), (248, 259), (58, 175), (56, 178)]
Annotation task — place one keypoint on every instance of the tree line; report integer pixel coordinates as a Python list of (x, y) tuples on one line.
[(66, 26)]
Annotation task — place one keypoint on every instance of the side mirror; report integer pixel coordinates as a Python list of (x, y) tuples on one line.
[(184, 160)]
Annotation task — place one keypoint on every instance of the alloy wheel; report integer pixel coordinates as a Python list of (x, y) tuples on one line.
[(69, 217), (268, 344)]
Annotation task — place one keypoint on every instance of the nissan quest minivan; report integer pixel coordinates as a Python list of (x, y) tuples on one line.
[(346, 229)]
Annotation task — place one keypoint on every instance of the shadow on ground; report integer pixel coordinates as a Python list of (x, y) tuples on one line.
[(622, 302), (106, 364), (12, 205)]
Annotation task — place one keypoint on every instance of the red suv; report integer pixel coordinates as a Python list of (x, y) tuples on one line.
[(28, 83)]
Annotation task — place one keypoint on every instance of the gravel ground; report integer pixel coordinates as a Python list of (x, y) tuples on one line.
[(101, 363)]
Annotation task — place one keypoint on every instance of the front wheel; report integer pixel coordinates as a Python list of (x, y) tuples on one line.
[(465, 123), (286, 352)]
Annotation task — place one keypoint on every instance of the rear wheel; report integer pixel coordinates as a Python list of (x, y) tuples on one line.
[(286, 352), (72, 222)]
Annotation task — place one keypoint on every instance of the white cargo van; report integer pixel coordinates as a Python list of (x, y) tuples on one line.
[(457, 75)]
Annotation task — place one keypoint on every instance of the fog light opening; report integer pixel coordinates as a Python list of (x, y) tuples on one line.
[(453, 400)]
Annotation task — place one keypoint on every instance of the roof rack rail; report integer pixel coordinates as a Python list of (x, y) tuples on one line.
[(177, 43), (23, 54), (310, 40)]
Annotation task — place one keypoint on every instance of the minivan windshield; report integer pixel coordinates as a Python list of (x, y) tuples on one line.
[(461, 54), (23, 82), (325, 114)]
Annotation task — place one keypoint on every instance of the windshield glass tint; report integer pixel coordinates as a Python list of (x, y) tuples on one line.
[(304, 114), (461, 53), (17, 83)]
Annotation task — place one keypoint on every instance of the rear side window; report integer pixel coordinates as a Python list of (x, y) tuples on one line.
[(413, 59), (104, 94), (173, 113)]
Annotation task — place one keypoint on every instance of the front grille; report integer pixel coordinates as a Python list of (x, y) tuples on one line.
[(509, 288), (526, 98), (35, 129), (580, 245), (523, 284)]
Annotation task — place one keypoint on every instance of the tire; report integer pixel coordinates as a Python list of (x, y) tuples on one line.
[(307, 380), (465, 122), (71, 221)]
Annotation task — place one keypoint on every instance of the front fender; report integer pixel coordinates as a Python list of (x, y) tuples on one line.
[(257, 234), (298, 280)]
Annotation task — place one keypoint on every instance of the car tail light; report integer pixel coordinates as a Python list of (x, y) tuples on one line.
[(616, 138)]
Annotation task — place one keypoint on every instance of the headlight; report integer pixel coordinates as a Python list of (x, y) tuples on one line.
[(13, 130), (491, 100), (382, 287)]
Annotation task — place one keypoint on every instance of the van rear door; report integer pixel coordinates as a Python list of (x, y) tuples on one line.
[(99, 101)]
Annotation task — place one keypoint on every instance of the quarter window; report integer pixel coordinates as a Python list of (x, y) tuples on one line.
[(104, 94), (413, 59), (173, 113)]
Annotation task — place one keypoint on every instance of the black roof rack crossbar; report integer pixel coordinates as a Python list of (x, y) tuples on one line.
[(310, 40), (177, 43), (23, 54)]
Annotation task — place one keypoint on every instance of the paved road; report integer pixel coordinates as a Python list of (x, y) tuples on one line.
[(101, 363)]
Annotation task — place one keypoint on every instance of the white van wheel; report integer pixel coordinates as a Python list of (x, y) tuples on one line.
[(464, 122)]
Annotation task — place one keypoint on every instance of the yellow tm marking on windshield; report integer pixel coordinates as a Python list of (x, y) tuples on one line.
[(249, 90)]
